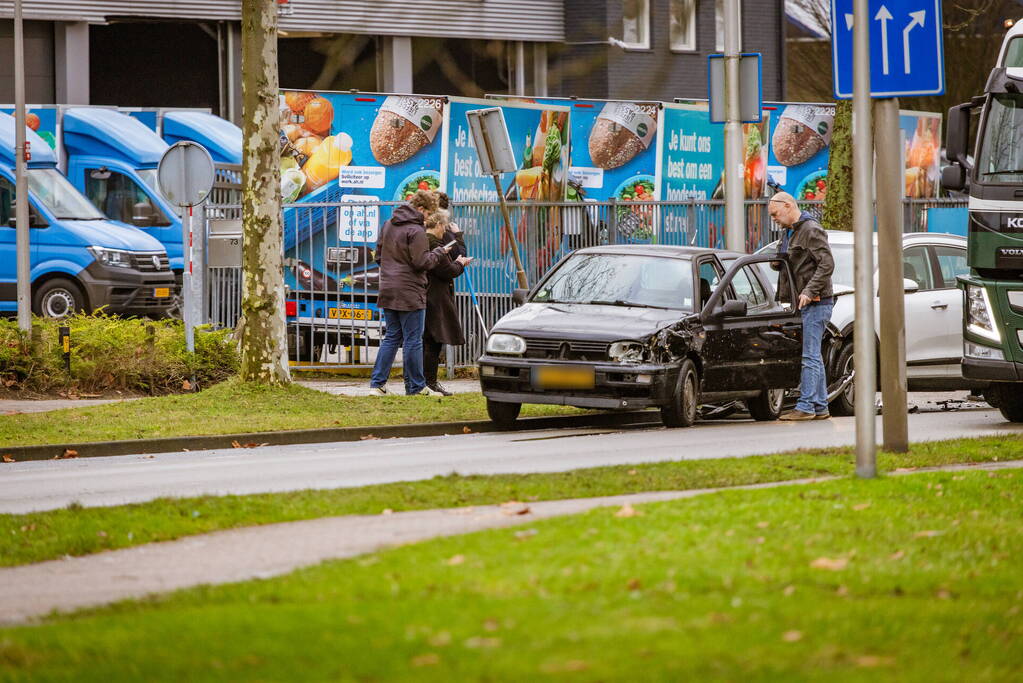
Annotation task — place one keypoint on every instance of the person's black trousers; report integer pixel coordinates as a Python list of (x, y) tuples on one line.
[(431, 358)]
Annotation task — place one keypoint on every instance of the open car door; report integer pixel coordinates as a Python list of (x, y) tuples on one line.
[(753, 341)]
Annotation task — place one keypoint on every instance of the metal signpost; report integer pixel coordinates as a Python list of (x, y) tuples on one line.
[(735, 213), (897, 50), (21, 238), (185, 176)]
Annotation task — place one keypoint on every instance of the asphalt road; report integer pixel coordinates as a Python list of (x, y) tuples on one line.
[(30, 486)]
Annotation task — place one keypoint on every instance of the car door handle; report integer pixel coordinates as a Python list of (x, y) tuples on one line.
[(937, 304)]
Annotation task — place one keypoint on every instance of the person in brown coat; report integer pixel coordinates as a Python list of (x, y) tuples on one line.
[(404, 254), (442, 324)]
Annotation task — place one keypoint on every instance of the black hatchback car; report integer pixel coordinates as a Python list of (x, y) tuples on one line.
[(646, 326)]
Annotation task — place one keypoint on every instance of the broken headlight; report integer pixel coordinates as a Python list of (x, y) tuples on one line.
[(626, 352)]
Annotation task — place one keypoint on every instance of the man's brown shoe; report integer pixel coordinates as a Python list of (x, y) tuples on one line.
[(822, 416), (797, 416)]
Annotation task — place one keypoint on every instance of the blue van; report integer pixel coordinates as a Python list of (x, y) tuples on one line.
[(81, 261)]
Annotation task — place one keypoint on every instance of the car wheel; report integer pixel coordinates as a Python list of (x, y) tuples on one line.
[(685, 401), (58, 298), (503, 414), (767, 405), (844, 403), (1009, 398)]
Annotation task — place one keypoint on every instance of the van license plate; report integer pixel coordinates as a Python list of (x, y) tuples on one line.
[(161, 292), (555, 377), (350, 313)]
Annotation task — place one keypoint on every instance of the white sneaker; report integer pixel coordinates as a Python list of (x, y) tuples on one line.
[(427, 391), (379, 391)]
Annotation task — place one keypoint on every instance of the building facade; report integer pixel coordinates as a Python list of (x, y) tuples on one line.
[(186, 53)]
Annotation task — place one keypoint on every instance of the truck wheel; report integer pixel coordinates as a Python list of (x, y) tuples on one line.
[(844, 403), (58, 298), (1010, 400), (767, 405), (503, 414), (685, 401)]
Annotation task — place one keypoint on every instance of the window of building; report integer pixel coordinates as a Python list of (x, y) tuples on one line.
[(719, 26), (636, 23), (121, 199), (683, 24)]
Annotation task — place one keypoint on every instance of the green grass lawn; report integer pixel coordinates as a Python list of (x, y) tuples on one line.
[(47, 535), (905, 578), (236, 407)]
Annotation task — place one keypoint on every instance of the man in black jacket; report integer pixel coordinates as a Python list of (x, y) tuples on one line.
[(806, 245), (404, 254)]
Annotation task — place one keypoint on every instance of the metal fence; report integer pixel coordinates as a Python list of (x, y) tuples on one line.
[(330, 275)]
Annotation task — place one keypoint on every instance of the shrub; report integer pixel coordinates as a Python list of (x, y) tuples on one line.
[(108, 352)]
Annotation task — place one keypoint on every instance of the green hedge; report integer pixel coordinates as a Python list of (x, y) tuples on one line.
[(108, 352)]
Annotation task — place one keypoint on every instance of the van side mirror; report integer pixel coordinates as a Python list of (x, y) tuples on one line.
[(519, 296), (957, 132), (953, 177)]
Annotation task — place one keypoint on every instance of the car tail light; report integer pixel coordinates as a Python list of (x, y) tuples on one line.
[(290, 308)]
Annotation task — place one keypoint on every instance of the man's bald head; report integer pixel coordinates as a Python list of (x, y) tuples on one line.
[(783, 208)]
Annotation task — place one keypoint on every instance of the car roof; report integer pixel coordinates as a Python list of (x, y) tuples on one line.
[(846, 237), (663, 250)]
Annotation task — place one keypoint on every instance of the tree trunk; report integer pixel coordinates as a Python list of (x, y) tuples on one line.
[(262, 328), (838, 203)]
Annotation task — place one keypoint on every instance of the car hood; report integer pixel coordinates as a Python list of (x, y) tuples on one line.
[(113, 235), (595, 322)]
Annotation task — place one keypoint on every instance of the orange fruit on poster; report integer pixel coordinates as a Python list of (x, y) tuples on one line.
[(297, 101), (32, 121), (319, 114)]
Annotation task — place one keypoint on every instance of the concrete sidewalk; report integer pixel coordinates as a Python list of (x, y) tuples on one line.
[(32, 591)]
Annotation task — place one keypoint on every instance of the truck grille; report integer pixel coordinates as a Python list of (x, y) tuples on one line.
[(559, 349), (152, 262)]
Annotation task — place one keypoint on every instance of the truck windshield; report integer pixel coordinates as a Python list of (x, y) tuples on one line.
[(621, 280), (1001, 151), (148, 176), (59, 196)]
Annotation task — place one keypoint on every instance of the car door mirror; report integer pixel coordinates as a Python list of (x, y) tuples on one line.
[(733, 308), (910, 286), (519, 296)]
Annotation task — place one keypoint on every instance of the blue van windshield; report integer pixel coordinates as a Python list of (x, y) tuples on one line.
[(59, 196)]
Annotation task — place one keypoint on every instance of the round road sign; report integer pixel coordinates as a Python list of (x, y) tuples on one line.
[(185, 174)]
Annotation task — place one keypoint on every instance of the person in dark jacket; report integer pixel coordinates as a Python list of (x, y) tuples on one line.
[(404, 254), (442, 324), (805, 245)]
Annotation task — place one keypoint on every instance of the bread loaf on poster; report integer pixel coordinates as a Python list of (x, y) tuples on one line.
[(621, 131), (403, 126), (802, 132)]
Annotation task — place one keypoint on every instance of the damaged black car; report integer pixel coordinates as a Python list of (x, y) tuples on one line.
[(631, 326)]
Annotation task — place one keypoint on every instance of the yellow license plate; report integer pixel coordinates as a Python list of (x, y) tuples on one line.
[(350, 314), (563, 378), (161, 292)]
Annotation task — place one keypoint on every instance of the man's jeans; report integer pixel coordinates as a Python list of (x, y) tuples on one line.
[(405, 332), (813, 382)]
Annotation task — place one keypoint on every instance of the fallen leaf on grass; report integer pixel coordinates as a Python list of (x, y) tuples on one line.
[(634, 584), (387, 511), (789, 590), (633, 472), (872, 661), (186, 385), (905, 469), (369, 437), (792, 636), (440, 639), (628, 511), (456, 560), (477, 642), (763, 525), (12, 412), (491, 625), (513, 508), (429, 659), (8, 458), (466, 430), (897, 555), (525, 533), (861, 506), (101, 534), (831, 564), (565, 667), (927, 533), (842, 591)]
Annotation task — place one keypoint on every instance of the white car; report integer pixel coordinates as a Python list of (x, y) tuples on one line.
[(934, 315)]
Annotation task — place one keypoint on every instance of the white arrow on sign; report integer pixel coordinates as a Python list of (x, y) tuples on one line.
[(884, 16), (918, 20), (848, 22)]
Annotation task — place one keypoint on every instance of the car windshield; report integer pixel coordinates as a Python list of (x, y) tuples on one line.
[(621, 280), (59, 196), (842, 253), (1001, 151)]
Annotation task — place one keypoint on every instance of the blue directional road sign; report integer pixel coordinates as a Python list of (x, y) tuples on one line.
[(907, 57)]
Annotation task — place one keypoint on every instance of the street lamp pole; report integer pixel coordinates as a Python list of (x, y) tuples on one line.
[(24, 265), (735, 212)]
